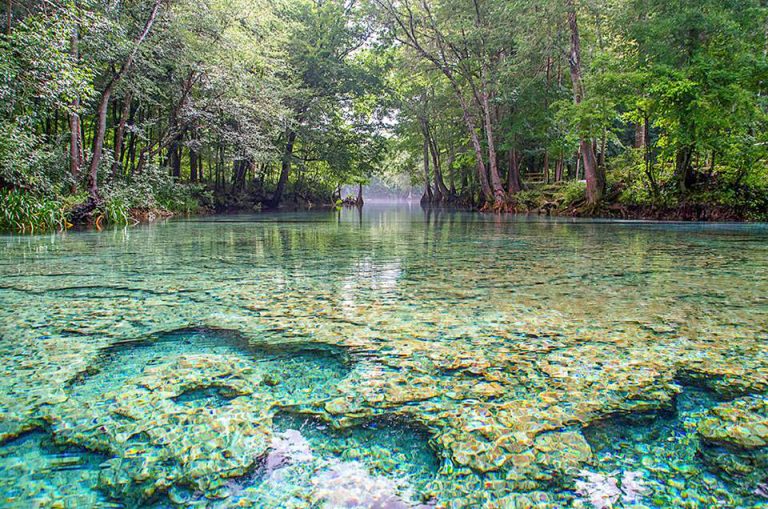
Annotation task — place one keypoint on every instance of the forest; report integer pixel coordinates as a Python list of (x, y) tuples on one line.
[(115, 111), (562, 305)]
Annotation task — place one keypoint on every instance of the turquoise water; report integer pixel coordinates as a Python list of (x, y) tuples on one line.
[(389, 358)]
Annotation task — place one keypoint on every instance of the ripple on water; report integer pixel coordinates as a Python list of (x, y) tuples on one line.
[(501, 332)]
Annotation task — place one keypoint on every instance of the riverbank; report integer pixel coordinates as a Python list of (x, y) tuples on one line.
[(568, 199), (23, 211), (26, 213)]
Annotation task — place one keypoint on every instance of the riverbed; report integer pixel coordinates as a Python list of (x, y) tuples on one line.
[(385, 357)]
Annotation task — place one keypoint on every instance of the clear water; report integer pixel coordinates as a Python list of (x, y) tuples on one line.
[(389, 358)]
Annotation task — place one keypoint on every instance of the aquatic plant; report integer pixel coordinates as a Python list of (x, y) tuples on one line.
[(762, 490), (25, 212)]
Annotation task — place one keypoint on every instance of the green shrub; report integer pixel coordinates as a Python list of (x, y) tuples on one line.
[(183, 198), (531, 200), (572, 192), (26, 163), (153, 189)]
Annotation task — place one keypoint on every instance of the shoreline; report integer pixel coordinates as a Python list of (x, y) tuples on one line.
[(690, 213)]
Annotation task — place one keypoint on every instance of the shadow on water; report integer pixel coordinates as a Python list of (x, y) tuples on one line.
[(33, 465)]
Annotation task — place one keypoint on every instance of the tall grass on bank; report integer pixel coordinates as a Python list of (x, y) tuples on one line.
[(27, 213)]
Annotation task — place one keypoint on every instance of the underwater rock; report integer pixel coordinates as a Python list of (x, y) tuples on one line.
[(567, 343), (287, 447), (529, 500), (34, 467), (191, 407), (160, 441), (350, 485), (728, 379), (734, 438), (561, 453), (741, 424)]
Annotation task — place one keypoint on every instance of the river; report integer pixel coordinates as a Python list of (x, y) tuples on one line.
[(389, 357)]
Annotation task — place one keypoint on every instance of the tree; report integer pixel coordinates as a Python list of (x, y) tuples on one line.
[(594, 174)]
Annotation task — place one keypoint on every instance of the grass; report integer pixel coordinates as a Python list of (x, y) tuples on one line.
[(27, 213)]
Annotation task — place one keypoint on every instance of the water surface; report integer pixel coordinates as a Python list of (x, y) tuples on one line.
[(392, 357)]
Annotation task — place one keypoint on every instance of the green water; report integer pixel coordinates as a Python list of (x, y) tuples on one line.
[(390, 358)]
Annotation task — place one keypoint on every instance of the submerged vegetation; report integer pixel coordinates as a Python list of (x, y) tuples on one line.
[(117, 110)]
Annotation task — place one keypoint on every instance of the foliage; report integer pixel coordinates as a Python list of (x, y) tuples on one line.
[(25, 212), (239, 103), (530, 199), (573, 192), (25, 161)]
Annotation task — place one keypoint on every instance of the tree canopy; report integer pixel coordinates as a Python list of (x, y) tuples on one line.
[(588, 107)]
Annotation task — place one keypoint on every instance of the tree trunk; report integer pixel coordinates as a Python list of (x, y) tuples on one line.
[(464, 183), (640, 135), (684, 168), (482, 172), (193, 163), (174, 158), (120, 134), (603, 148), (559, 169), (98, 142), (359, 201), (285, 170), (578, 163), (239, 169), (498, 190), (594, 175), (452, 177), (427, 197), (101, 112), (217, 179), (514, 184), (75, 130), (440, 186)]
